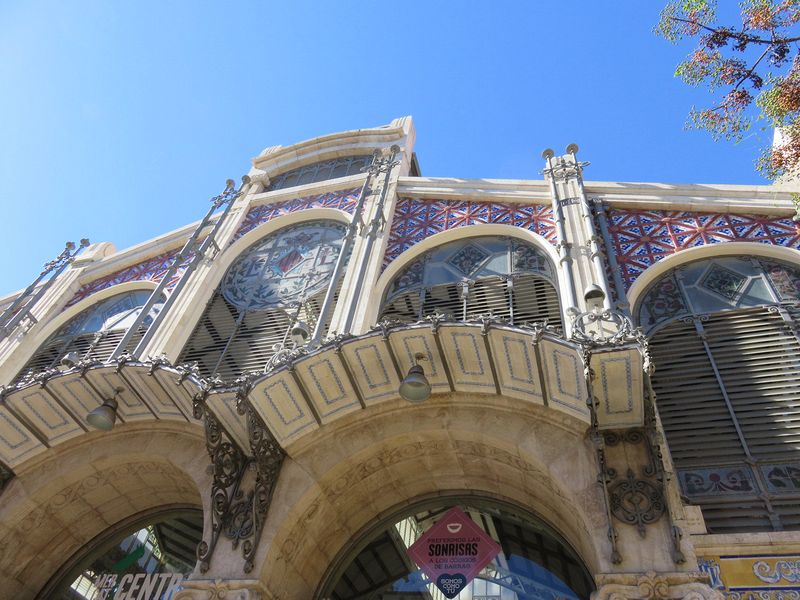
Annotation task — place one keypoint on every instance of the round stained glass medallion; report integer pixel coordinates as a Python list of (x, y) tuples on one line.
[(285, 268)]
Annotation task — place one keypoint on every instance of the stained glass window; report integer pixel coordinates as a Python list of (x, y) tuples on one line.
[(320, 171), (277, 285), (724, 283), (286, 268)]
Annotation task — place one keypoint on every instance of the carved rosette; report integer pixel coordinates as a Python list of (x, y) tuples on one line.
[(655, 586)]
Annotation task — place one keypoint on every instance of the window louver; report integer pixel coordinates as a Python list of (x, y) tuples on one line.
[(728, 393), (229, 343), (531, 299)]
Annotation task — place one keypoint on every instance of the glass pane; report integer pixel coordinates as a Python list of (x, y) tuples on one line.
[(286, 268), (533, 562), (153, 557)]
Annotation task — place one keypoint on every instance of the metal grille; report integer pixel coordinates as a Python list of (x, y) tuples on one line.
[(728, 393), (320, 171), (518, 299), (228, 342)]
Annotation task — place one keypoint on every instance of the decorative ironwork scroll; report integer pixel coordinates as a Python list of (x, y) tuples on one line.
[(228, 463), (267, 460), (636, 501)]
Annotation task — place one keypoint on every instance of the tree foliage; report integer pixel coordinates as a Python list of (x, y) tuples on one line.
[(752, 69)]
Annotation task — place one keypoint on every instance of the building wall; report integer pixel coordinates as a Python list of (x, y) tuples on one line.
[(511, 425)]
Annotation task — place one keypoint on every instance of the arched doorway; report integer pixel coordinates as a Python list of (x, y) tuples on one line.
[(148, 555), (533, 561)]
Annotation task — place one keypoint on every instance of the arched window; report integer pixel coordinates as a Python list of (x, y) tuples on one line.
[(533, 560), (725, 344), (505, 277), (278, 283), (320, 171), (94, 333)]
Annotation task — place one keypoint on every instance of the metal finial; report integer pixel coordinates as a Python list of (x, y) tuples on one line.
[(84, 242), (548, 153), (572, 149), (70, 246), (395, 148), (245, 180), (229, 183)]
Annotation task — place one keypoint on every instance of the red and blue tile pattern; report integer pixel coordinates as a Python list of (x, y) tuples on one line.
[(152, 269), (642, 238), (415, 220), (345, 200)]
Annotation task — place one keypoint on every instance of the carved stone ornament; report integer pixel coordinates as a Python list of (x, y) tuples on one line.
[(655, 586), (218, 589)]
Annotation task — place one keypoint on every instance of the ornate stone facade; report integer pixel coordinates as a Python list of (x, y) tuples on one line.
[(543, 409)]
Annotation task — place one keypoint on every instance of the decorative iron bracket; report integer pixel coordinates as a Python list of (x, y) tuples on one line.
[(267, 461), (228, 464)]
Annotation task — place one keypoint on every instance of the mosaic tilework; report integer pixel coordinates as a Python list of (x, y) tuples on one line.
[(152, 269), (414, 220), (642, 238), (345, 200)]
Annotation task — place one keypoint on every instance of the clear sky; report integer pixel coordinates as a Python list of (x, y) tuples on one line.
[(118, 120)]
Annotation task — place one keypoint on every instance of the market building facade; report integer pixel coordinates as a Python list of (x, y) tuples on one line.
[(345, 360)]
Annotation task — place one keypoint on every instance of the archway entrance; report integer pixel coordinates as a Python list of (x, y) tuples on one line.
[(145, 557), (534, 561)]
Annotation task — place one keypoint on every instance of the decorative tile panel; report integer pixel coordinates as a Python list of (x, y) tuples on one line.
[(372, 368), (327, 385), (106, 380), (642, 238), (618, 388), (17, 444), (466, 355), (566, 388), (345, 200), (76, 394), (42, 412), (280, 403), (180, 392), (515, 361), (152, 269), (419, 340), (157, 399), (783, 478), (415, 220), (753, 576), (717, 481)]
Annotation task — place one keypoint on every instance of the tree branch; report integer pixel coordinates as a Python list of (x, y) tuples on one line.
[(739, 36)]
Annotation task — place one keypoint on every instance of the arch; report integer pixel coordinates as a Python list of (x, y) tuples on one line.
[(193, 307), (277, 158), (723, 340), (365, 467), (673, 261), (67, 496), (451, 235), (94, 332), (273, 288), (34, 341)]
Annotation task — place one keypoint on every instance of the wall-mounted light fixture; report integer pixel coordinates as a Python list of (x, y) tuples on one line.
[(415, 387), (104, 416)]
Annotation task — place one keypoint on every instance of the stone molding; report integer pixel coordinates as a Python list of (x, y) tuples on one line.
[(219, 589), (654, 586)]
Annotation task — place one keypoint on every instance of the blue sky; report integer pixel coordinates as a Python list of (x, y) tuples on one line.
[(118, 120)]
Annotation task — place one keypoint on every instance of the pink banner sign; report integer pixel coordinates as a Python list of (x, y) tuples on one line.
[(453, 552)]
